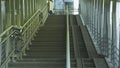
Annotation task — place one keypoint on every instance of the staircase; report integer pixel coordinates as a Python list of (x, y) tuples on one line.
[(48, 50)]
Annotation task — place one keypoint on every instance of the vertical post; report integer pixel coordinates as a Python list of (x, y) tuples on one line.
[(3, 24), (8, 23), (22, 11), (114, 35), (18, 13), (102, 23), (0, 30), (3, 15), (110, 32)]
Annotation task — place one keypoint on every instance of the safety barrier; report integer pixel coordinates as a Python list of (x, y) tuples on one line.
[(4, 37), (15, 40), (100, 20), (31, 27)]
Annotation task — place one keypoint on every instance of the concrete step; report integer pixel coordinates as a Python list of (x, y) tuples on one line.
[(45, 60), (48, 50), (47, 56), (100, 62), (40, 65), (50, 43), (52, 29), (49, 35), (87, 62), (49, 40), (48, 47)]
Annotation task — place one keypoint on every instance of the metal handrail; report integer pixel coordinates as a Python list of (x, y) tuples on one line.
[(29, 38), (9, 28), (8, 36), (31, 19), (7, 58), (4, 40), (3, 33), (27, 25), (68, 41), (33, 16)]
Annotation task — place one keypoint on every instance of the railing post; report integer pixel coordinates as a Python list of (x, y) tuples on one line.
[(68, 41), (0, 31), (0, 52)]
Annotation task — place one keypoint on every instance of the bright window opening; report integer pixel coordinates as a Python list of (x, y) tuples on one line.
[(76, 6)]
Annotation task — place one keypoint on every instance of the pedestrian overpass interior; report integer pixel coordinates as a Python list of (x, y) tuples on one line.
[(32, 38)]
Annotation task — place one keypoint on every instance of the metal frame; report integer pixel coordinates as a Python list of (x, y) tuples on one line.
[(99, 17), (19, 27)]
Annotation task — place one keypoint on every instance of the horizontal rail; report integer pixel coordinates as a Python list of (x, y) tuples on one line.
[(6, 38), (3, 33), (33, 16), (10, 54), (26, 29), (30, 18), (8, 35), (9, 28), (23, 48), (28, 25), (3, 64)]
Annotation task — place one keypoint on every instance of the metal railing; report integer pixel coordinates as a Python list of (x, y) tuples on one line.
[(115, 56), (102, 32), (5, 36), (68, 64), (8, 45), (30, 28)]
